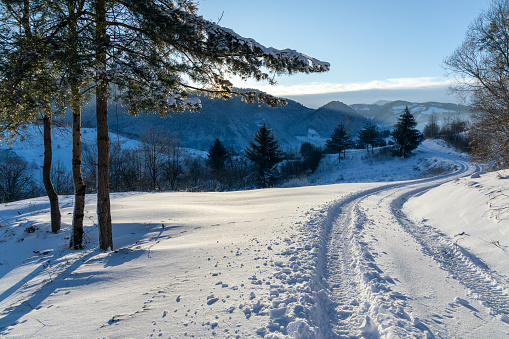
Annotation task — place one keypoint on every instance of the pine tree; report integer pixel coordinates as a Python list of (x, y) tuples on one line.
[(28, 84), (265, 152), (405, 135), (339, 140), (369, 136), (311, 156), (217, 156)]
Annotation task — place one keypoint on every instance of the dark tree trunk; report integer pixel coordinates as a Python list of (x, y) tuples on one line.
[(76, 241), (79, 185), (103, 189), (46, 173), (339, 157)]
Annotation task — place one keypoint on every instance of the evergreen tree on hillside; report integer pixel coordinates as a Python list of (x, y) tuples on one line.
[(311, 156), (369, 136), (339, 140), (217, 156), (265, 152), (405, 135)]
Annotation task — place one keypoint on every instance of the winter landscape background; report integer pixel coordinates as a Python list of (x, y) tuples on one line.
[(315, 219), (373, 247)]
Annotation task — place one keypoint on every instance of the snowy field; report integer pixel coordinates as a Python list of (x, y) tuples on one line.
[(372, 248)]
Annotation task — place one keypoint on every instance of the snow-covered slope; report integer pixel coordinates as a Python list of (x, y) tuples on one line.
[(29, 143), (421, 258)]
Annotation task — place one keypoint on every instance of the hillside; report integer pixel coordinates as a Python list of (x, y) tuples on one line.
[(234, 122)]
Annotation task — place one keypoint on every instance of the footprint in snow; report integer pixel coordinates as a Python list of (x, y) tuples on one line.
[(465, 303)]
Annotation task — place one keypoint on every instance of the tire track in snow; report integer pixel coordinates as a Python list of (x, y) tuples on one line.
[(365, 305), (489, 286)]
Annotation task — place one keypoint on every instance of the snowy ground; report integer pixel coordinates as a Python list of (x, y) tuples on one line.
[(422, 258)]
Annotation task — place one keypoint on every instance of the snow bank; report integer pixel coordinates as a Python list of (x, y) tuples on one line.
[(472, 211)]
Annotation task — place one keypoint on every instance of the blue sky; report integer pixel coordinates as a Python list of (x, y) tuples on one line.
[(391, 49)]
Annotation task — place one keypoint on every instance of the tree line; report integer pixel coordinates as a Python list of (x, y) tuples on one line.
[(161, 163), (453, 130)]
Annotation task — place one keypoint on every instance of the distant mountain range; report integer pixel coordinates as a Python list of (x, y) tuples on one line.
[(235, 122), (387, 112)]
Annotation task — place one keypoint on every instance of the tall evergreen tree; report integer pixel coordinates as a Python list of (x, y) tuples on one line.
[(369, 136), (339, 140), (217, 156), (265, 152), (156, 52), (28, 86), (405, 135)]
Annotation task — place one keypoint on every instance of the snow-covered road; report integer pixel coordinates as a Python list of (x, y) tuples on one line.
[(391, 276)]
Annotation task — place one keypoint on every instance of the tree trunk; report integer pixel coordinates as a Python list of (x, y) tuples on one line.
[(339, 157), (79, 185), (46, 173), (76, 241), (103, 189)]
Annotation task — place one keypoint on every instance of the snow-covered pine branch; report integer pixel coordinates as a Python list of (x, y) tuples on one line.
[(206, 53)]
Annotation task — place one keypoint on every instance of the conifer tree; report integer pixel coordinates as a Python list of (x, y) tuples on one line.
[(369, 136), (265, 152), (405, 135), (339, 140), (157, 53), (28, 86), (217, 156), (311, 156)]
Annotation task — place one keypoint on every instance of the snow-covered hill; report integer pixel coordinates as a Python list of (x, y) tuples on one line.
[(424, 258), (235, 122)]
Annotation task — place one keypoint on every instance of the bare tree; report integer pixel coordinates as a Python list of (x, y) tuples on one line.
[(16, 178), (172, 163), (154, 145), (131, 170), (61, 178), (481, 69), (432, 129)]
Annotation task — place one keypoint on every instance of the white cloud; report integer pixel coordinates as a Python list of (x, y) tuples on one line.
[(323, 88)]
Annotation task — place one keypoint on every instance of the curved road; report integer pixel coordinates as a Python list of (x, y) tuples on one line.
[(390, 276)]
